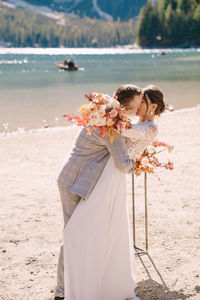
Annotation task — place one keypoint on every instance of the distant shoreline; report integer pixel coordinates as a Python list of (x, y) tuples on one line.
[(93, 51)]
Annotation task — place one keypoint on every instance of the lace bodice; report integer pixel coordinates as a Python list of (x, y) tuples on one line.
[(139, 137)]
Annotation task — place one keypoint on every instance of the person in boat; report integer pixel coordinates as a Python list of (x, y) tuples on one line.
[(71, 64), (66, 62)]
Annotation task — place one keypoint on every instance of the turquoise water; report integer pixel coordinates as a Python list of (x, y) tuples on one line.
[(33, 91)]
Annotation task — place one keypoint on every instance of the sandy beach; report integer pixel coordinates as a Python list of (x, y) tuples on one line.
[(31, 216)]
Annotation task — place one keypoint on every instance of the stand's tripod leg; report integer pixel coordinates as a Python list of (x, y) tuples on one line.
[(142, 252), (146, 229), (146, 211), (156, 270), (144, 266), (133, 207)]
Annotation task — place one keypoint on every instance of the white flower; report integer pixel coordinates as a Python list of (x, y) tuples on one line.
[(94, 94), (107, 99), (97, 120), (145, 162), (151, 149), (102, 110)]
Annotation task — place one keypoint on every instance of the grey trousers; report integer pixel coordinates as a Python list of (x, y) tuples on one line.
[(69, 202)]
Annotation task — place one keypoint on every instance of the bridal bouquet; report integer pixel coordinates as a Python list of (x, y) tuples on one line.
[(103, 112), (148, 162)]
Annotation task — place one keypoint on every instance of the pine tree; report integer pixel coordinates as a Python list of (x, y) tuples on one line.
[(171, 22)]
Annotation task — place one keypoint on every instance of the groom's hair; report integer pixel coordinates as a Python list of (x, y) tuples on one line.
[(125, 93)]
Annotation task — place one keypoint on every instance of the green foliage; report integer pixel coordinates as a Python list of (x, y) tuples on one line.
[(169, 23), (26, 29)]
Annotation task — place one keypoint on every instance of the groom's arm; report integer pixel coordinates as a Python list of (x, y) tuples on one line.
[(120, 155)]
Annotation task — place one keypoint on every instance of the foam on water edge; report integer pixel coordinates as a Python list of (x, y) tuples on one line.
[(91, 51), (23, 131), (14, 62)]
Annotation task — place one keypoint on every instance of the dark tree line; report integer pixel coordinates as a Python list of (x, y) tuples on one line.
[(169, 23), (23, 28)]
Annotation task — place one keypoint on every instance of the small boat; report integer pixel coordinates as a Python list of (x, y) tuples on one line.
[(65, 67)]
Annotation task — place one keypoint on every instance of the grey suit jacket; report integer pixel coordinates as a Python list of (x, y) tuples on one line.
[(88, 159)]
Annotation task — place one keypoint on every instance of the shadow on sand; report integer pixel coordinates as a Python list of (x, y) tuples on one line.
[(152, 290)]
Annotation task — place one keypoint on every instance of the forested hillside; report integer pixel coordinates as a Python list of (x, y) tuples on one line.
[(162, 23), (169, 23), (23, 28)]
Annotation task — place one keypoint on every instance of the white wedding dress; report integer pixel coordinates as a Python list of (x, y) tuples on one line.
[(99, 262)]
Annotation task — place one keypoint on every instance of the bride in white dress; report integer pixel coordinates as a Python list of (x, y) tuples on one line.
[(99, 261)]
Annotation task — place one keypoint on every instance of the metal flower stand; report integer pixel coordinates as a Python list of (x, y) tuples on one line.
[(138, 251)]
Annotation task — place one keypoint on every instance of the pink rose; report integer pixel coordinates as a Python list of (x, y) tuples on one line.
[(113, 113)]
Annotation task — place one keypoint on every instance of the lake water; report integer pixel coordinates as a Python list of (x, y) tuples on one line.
[(34, 92)]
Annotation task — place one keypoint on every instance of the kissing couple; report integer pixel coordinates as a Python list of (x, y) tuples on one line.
[(97, 259)]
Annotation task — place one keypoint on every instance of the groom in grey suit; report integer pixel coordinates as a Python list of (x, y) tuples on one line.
[(86, 163)]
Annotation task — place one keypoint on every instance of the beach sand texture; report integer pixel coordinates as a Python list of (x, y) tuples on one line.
[(31, 215)]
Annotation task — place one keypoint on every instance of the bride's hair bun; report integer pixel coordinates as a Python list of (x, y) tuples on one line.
[(155, 95)]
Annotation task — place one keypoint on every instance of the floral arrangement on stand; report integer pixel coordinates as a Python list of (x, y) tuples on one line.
[(148, 162), (106, 114)]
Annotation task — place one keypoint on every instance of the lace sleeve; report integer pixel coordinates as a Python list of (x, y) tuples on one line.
[(139, 137), (140, 130)]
